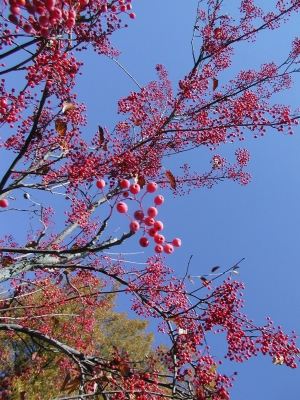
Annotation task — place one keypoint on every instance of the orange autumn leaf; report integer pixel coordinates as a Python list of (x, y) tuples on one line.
[(215, 83), (171, 178), (61, 127)]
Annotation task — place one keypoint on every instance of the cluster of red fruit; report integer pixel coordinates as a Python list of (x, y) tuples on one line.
[(48, 14), (142, 220)]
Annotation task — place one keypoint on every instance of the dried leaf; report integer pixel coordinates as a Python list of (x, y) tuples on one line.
[(34, 356), (75, 246), (215, 268), (171, 178), (60, 278), (204, 280), (73, 385), (182, 331), (215, 83), (278, 360), (171, 144), (32, 243), (102, 141), (236, 267), (189, 278), (66, 380), (68, 106), (61, 127), (235, 272), (6, 261), (124, 369), (55, 321), (141, 181), (138, 122), (22, 395)]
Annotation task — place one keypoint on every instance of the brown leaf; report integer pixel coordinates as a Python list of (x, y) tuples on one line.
[(171, 144), (215, 268), (124, 369), (204, 280), (61, 127), (22, 395), (141, 181), (34, 356), (189, 278), (55, 321), (32, 243), (66, 380), (215, 83), (171, 178), (102, 141), (6, 261), (73, 385)]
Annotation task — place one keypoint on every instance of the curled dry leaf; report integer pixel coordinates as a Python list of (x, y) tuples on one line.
[(189, 278), (68, 106), (215, 83), (171, 178), (278, 360), (141, 181), (32, 243), (124, 369), (60, 127), (22, 395), (66, 380), (204, 280), (6, 261), (102, 141), (34, 356), (215, 268)]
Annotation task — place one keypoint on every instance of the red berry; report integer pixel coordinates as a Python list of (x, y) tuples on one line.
[(100, 184), (21, 3), (134, 188), (159, 239), (3, 102), (72, 14), (49, 4), (176, 242), (45, 33), (104, 8), (41, 10), (158, 225), (125, 184), (151, 187), (149, 221), (43, 20), (84, 2), (122, 207), (134, 226), (27, 28), (3, 203), (152, 212), (158, 200), (126, 194), (30, 8), (168, 248), (15, 10), (129, 6), (152, 232), (113, 8), (138, 214), (144, 242), (56, 13), (158, 248), (123, 8), (70, 22), (132, 15), (13, 19)]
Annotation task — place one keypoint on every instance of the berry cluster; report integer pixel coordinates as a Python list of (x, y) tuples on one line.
[(144, 220), (47, 15)]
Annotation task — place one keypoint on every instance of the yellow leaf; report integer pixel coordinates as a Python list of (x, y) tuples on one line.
[(61, 127)]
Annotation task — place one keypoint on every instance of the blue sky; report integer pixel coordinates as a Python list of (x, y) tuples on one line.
[(260, 222)]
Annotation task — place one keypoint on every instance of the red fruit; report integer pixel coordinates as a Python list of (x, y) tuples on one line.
[(125, 184), (149, 221), (122, 207), (152, 212), (43, 20), (151, 187), (159, 239), (100, 184), (41, 10), (134, 188), (49, 4), (129, 6), (134, 226), (126, 194), (45, 33), (3, 102), (138, 214), (158, 248), (84, 2), (158, 225), (72, 14), (168, 248), (21, 3), (13, 19), (104, 8), (152, 232), (123, 8), (70, 22), (30, 8), (15, 10), (113, 8), (56, 13), (132, 15), (144, 242), (3, 203), (176, 242), (27, 28), (158, 200)]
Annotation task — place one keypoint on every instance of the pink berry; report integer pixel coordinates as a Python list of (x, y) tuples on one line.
[(49, 4), (134, 188), (40, 10), (3, 203), (30, 8), (129, 6), (122, 207), (104, 8), (168, 248), (159, 239), (176, 242), (21, 3), (144, 242), (72, 14), (125, 184), (149, 221), (3, 102), (13, 19), (158, 225), (43, 20), (152, 232), (132, 15), (126, 194), (15, 10), (56, 13), (84, 2), (151, 187), (158, 248), (134, 226), (70, 22), (100, 184), (45, 33), (158, 200), (113, 8), (27, 28), (123, 8), (152, 212), (138, 214)]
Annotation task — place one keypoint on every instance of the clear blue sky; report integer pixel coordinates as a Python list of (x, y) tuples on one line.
[(220, 226)]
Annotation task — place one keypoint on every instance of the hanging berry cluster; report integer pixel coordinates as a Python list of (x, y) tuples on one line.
[(144, 219)]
